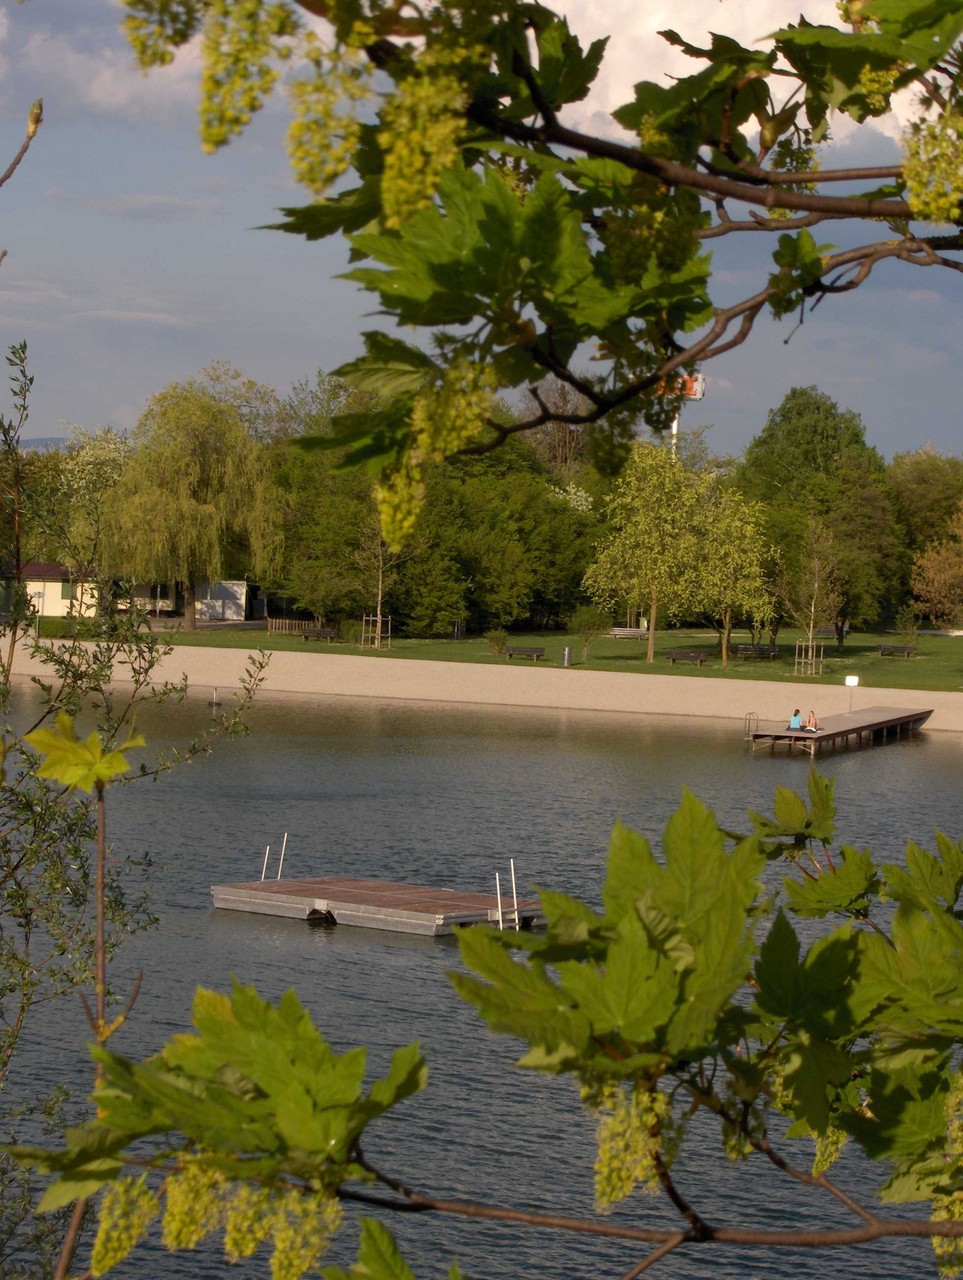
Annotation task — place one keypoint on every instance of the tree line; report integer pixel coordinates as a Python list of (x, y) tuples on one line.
[(224, 478)]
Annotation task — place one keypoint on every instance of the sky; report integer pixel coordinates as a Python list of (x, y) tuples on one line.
[(134, 259)]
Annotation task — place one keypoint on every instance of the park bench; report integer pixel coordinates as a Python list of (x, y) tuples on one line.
[(897, 650), (321, 633), (523, 651), (628, 633), (824, 633), (756, 651), (685, 655)]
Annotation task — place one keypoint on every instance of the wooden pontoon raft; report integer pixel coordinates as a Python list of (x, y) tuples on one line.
[(374, 904), (852, 729)]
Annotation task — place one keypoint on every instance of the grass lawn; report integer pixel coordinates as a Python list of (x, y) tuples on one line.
[(937, 664)]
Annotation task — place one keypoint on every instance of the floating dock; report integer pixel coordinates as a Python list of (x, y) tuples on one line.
[(852, 729), (375, 904)]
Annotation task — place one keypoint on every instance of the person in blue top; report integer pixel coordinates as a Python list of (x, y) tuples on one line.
[(795, 720)]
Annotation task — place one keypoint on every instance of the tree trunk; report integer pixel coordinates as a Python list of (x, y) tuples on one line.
[(190, 606), (653, 612), (381, 589), (724, 633)]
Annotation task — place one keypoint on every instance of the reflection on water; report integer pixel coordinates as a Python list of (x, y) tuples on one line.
[(445, 795)]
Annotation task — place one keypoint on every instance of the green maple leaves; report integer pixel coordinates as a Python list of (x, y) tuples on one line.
[(519, 263), (692, 975), (255, 1089)]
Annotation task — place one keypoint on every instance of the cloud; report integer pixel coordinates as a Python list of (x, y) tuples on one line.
[(167, 320), (65, 302), (153, 208), (921, 298), (636, 51), (104, 79)]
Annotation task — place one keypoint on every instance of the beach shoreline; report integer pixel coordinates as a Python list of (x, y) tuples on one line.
[(526, 684)]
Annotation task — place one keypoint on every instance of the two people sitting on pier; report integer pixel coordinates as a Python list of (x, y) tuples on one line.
[(795, 721)]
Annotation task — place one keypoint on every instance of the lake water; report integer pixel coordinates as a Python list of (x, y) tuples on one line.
[(445, 795)]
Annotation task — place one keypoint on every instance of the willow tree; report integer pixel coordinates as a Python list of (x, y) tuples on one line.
[(194, 499)]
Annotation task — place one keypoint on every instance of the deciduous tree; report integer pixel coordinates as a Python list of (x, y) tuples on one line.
[(651, 557), (938, 576), (479, 212), (515, 547), (928, 487), (811, 463), (323, 512), (731, 574), (77, 500)]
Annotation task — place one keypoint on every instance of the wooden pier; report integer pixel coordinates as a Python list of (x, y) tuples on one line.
[(852, 729), (374, 904)]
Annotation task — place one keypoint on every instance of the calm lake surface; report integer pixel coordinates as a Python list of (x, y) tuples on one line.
[(443, 795)]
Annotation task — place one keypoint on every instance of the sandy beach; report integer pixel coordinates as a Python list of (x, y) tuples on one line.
[(521, 683)]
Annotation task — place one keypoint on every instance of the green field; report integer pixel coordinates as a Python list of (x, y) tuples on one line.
[(938, 663)]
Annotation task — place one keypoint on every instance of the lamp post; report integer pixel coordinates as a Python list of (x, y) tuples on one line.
[(852, 682), (693, 387)]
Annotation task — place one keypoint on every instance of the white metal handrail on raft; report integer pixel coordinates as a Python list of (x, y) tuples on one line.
[(267, 854), (498, 899)]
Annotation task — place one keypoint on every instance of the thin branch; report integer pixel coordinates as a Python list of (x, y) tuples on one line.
[(762, 1144), (131, 999), (415, 1203), (766, 194), (34, 120), (652, 1258), (756, 222), (699, 1229), (71, 1239), (806, 1238)]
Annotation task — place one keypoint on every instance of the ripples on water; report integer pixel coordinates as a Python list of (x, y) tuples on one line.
[(445, 795)]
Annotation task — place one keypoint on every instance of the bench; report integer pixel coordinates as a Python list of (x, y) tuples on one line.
[(628, 633), (523, 651), (685, 655), (321, 633), (756, 651), (897, 650), (824, 633)]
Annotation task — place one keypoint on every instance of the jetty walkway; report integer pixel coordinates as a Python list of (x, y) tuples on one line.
[(871, 726)]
